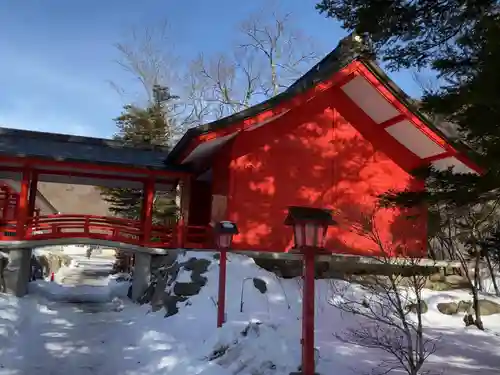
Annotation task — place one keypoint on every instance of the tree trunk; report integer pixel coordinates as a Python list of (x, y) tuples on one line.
[(477, 310), (475, 295), (492, 273)]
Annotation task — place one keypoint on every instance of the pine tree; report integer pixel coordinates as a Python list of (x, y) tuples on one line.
[(140, 126), (458, 39)]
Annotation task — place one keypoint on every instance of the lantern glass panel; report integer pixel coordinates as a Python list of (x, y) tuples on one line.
[(320, 233), (310, 232), (298, 229), (225, 240)]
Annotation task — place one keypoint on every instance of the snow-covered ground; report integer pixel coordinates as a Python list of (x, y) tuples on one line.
[(39, 336)]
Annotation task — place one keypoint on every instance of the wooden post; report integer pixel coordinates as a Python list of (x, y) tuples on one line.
[(221, 302), (22, 207), (147, 211), (308, 314)]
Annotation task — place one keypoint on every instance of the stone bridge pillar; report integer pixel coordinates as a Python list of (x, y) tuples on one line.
[(142, 275), (17, 274)]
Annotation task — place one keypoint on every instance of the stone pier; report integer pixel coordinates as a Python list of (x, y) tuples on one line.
[(142, 275)]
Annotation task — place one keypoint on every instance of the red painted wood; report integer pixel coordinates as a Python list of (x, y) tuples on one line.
[(39, 163), (340, 77), (147, 211), (22, 208), (221, 300), (308, 296), (329, 154), (105, 228)]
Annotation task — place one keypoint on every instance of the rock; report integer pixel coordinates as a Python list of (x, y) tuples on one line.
[(52, 262), (170, 304), (252, 328), (436, 277), (187, 289), (468, 320), (196, 265), (198, 279), (413, 307), (447, 308), (464, 306), (160, 261), (158, 295), (129, 292), (260, 285), (487, 307)]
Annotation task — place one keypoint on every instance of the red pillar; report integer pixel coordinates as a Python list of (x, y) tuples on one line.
[(32, 194), (147, 211), (22, 206), (221, 302), (6, 203), (181, 231), (308, 314)]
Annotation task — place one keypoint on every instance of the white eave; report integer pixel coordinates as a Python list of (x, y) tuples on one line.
[(380, 110)]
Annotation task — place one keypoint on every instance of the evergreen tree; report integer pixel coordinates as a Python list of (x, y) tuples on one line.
[(141, 126), (458, 39)]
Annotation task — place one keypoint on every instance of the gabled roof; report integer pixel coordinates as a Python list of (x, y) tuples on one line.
[(382, 106)]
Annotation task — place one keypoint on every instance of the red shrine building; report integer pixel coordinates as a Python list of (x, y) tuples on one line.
[(338, 138)]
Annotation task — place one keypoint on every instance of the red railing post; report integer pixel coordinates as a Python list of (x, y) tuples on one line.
[(6, 203), (181, 234), (22, 207), (147, 211), (86, 226)]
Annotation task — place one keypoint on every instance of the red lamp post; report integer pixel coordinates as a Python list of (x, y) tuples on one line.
[(224, 232), (309, 228)]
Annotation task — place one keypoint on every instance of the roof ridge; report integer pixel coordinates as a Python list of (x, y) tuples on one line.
[(57, 137)]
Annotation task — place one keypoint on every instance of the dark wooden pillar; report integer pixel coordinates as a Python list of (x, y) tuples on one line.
[(32, 194)]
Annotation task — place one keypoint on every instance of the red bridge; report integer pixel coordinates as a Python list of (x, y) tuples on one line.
[(29, 157), (51, 227)]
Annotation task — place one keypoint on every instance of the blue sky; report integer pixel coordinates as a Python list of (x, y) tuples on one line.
[(57, 57)]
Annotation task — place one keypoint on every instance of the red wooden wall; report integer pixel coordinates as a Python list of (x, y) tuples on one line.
[(315, 159)]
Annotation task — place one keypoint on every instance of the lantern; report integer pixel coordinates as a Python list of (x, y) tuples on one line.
[(309, 229), (224, 232), (309, 226)]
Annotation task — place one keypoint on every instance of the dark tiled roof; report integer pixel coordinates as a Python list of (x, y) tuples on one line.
[(348, 50), (64, 147)]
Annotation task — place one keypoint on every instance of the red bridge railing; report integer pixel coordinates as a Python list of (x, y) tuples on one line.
[(106, 228)]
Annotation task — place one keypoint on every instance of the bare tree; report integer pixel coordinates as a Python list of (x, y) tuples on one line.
[(268, 56), (148, 55), (391, 307), (461, 232)]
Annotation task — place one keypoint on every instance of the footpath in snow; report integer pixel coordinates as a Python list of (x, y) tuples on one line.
[(106, 334)]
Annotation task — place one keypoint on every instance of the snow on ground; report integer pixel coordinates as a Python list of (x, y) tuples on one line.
[(41, 336)]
